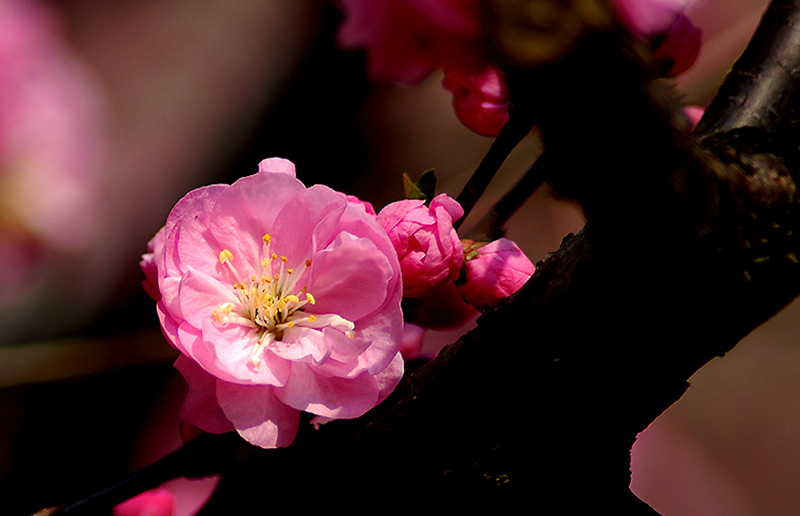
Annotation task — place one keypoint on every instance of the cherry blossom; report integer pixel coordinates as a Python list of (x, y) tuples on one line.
[(281, 299)]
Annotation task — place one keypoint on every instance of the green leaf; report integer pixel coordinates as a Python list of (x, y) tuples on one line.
[(411, 189), (424, 189)]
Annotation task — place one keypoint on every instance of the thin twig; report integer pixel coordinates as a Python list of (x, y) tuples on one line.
[(490, 227), (510, 135)]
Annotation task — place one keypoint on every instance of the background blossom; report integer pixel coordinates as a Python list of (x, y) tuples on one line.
[(264, 291), (405, 40), (51, 145)]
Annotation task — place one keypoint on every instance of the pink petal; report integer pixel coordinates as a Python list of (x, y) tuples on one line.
[(390, 377), (200, 407), (340, 284), (246, 211), (329, 397), (308, 221), (232, 345), (277, 165), (299, 343), (257, 414)]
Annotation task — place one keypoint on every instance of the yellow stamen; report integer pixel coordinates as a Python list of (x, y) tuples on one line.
[(289, 271), (267, 238), (312, 318), (310, 298), (225, 256)]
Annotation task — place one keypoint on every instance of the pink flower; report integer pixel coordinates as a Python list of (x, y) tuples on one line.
[(281, 299), (406, 40), (429, 249), (156, 502), (480, 99), (494, 271), (677, 38)]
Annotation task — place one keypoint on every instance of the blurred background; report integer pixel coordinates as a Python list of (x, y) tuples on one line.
[(111, 111)]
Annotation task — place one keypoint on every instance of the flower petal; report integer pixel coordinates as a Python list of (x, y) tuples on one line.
[(257, 414), (329, 397), (200, 407), (340, 283)]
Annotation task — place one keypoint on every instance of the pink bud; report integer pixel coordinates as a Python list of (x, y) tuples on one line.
[(494, 271), (480, 99), (428, 247)]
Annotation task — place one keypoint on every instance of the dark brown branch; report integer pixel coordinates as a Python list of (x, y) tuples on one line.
[(762, 88)]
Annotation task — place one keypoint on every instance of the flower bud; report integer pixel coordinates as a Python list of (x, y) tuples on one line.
[(493, 271), (428, 247)]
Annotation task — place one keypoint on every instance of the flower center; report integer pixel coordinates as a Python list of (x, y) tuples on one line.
[(271, 302)]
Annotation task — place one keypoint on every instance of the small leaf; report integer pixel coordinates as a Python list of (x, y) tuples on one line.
[(424, 189), (411, 189)]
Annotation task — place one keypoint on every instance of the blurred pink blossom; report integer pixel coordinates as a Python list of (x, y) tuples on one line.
[(494, 271), (281, 299), (406, 40), (156, 502), (427, 245), (480, 99), (676, 39), (51, 141)]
